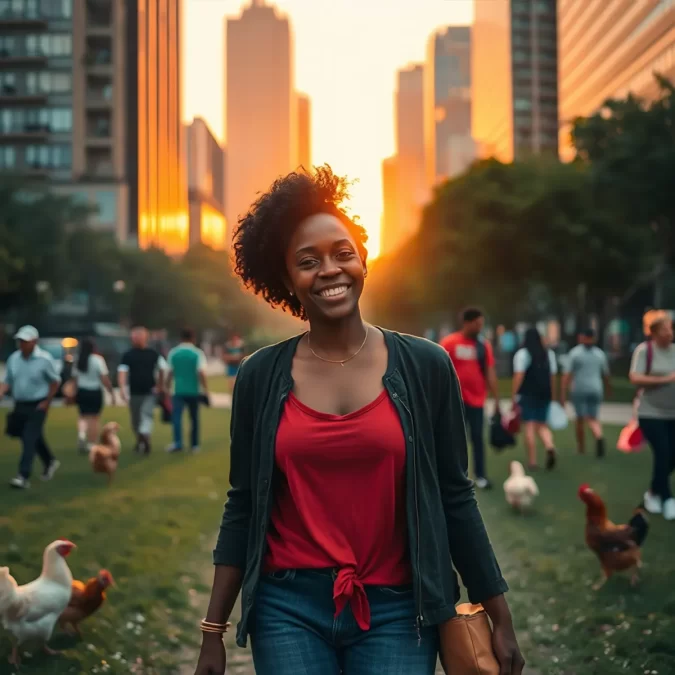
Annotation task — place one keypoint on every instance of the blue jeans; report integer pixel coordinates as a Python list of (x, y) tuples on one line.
[(294, 632), (180, 402), (475, 421)]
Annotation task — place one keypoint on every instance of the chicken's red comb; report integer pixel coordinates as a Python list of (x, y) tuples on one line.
[(583, 488)]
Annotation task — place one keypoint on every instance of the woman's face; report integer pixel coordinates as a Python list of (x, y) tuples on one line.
[(663, 333), (324, 269)]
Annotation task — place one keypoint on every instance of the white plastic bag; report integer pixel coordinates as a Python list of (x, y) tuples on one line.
[(557, 417)]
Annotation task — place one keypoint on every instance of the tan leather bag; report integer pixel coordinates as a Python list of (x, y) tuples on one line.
[(466, 643)]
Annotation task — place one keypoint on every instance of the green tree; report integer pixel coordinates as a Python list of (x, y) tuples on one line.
[(520, 239), (229, 305), (35, 228), (629, 147)]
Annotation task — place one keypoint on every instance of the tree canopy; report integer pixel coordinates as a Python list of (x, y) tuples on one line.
[(537, 236)]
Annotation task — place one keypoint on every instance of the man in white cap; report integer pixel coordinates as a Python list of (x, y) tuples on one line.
[(31, 376)]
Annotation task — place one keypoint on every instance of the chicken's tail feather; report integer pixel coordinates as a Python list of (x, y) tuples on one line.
[(640, 524)]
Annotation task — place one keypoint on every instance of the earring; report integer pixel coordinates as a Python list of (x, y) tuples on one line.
[(291, 293)]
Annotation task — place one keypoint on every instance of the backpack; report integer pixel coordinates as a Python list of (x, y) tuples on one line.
[(537, 380)]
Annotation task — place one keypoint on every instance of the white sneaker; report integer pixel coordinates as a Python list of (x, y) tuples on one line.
[(653, 503), (49, 471), (195, 449), (669, 509), (172, 447), (20, 483)]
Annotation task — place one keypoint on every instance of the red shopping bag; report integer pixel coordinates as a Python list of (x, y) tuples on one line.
[(511, 420), (631, 438)]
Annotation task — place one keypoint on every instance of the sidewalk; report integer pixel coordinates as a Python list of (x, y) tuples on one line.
[(610, 413)]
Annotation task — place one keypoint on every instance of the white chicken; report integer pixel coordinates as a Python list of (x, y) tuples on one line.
[(29, 613), (520, 490)]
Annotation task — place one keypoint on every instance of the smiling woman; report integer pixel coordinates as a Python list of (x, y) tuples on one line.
[(349, 500), (291, 200)]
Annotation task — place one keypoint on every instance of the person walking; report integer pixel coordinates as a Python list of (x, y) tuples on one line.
[(91, 376), (141, 368), (474, 362), (653, 369), (186, 369), (534, 385), (349, 498), (586, 377), (30, 375), (233, 356)]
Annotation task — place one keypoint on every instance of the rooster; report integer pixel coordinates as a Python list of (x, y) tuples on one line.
[(519, 489), (85, 600), (104, 456), (29, 613), (617, 546)]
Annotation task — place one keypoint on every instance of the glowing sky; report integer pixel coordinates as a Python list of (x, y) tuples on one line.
[(346, 56)]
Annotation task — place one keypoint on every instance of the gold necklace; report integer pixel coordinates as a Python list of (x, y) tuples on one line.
[(349, 358)]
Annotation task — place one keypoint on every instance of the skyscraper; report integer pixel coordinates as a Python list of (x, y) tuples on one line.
[(206, 185), (447, 99), (412, 187), (389, 234), (304, 112), (261, 123), (608, 50), (514, 84), (90, 99)]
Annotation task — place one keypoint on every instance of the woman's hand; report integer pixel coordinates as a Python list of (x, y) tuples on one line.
[(505, 646), (212, 659)]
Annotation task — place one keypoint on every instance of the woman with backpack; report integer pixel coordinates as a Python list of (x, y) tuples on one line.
[(534, 384), (653, 370)]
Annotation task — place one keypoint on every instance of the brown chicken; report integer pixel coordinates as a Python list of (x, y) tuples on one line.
[(104, 456), (617, 546), (85, 599)]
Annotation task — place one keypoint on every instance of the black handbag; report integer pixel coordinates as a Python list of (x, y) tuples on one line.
[(500, 438), (14, 423)]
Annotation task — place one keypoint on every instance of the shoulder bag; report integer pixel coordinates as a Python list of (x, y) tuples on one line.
[(466, 643)]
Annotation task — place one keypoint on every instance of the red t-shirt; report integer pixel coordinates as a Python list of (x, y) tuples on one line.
[(339, 499), (462, 351)]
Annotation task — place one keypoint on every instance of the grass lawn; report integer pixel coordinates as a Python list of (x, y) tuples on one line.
[(218, 384), (567, 628), (153, 529)]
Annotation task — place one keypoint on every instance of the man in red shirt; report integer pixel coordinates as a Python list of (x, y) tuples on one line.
[(474, 362)]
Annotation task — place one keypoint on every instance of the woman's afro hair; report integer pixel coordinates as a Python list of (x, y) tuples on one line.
[(262, 235)]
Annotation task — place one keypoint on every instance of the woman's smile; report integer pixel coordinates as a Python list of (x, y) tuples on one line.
[(334, 292)]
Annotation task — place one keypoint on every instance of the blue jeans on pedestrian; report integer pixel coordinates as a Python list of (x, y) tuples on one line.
[(179, 403), (475, 421), (294, 630)]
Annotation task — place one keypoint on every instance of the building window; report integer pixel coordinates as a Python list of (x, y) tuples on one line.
[(57, 9), (49, 156), (522, 104), (106, 201), (7, 157), (60, 120), (7, 83), (7, 45), (20, 8), (49, 83), (54, 44)]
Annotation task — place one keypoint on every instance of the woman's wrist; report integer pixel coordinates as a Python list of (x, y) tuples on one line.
[(498, 611)]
